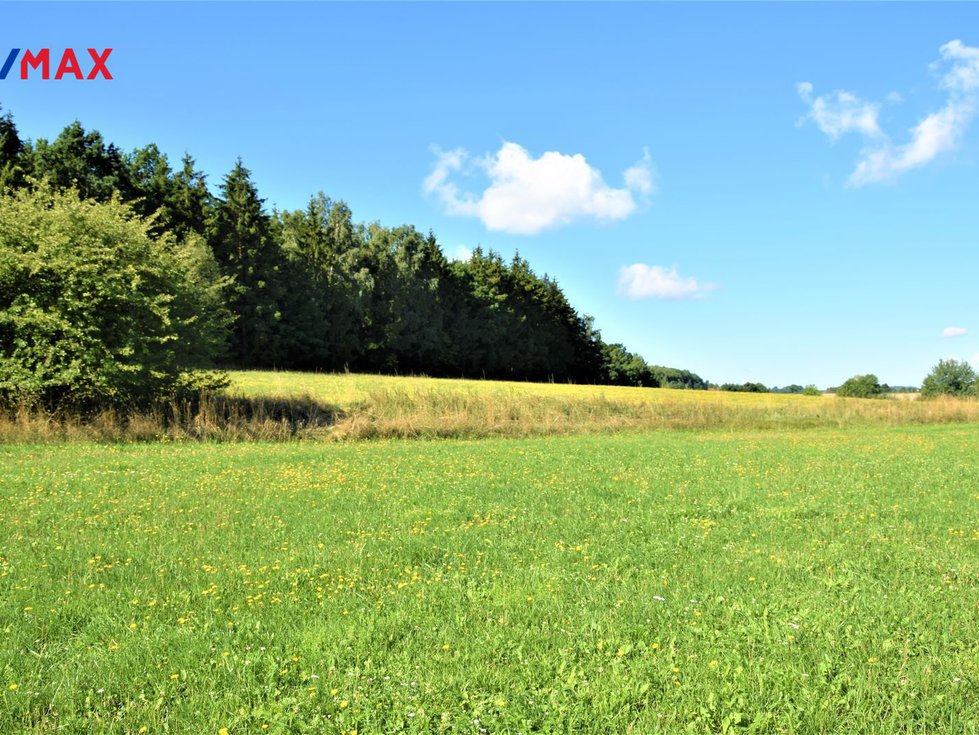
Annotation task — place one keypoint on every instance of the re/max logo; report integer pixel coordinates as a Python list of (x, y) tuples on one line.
[(68, 66)]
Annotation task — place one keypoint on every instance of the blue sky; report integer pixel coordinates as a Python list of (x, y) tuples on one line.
[(786, 193)]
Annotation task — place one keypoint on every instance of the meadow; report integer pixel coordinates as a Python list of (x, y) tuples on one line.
[(817, 580), (275, 406)]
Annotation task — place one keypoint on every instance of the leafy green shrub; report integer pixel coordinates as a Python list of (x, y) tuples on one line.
[(950, 378), (862, 386), (95, 311)]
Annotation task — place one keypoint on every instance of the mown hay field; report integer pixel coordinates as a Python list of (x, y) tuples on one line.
[(706, 581)]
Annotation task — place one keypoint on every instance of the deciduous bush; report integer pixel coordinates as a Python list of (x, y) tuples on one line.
[(96, 311), (862, 386), (950, 378)]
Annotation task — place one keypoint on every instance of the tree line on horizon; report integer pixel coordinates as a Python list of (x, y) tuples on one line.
[(308, 289)]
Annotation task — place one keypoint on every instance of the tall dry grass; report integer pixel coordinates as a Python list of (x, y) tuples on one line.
[(412, 411), (440, 413), (213, 418)]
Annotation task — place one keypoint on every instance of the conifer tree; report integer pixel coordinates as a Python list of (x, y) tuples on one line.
[(11, 150), (241, 237)]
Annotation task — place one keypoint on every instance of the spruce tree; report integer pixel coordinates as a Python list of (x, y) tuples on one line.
[(241, 237), (11, 151)]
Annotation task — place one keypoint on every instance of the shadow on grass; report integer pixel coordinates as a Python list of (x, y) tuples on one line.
[(443, 414), (207, 418)]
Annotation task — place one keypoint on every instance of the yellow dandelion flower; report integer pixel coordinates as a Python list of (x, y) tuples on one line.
[(12, 687)]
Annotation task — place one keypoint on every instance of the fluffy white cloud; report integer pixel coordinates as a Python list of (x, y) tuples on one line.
[(841, 112), (954, 331), (936, 133), (641, 281), (527, 195)]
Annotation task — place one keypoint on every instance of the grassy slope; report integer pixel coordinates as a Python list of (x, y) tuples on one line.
[(269, 406), (350, 388), (374, 405), (818, 581)]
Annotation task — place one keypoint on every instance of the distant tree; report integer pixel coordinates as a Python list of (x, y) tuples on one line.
[(622, 367), (94, 310), (950, 378), (668, 377), (811, 390), (862, 386), (745, 387)]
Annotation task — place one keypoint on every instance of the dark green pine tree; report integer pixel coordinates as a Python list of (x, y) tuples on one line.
[(241, 236), (82, 160), (152, 183), (189, 201), (11, 152), (407, 332), (483, 329), (325, 304)]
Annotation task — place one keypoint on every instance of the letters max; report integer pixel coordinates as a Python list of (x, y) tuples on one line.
[(68, 65)]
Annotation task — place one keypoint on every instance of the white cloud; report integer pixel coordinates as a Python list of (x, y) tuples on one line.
[(935, 134), (954, 331), (528, 195), (641, 281), (964, 74), (438, 182), (639, 177), (461, 252), (841, 112)]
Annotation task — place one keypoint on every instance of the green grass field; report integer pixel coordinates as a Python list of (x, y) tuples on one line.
[(668, 581)]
